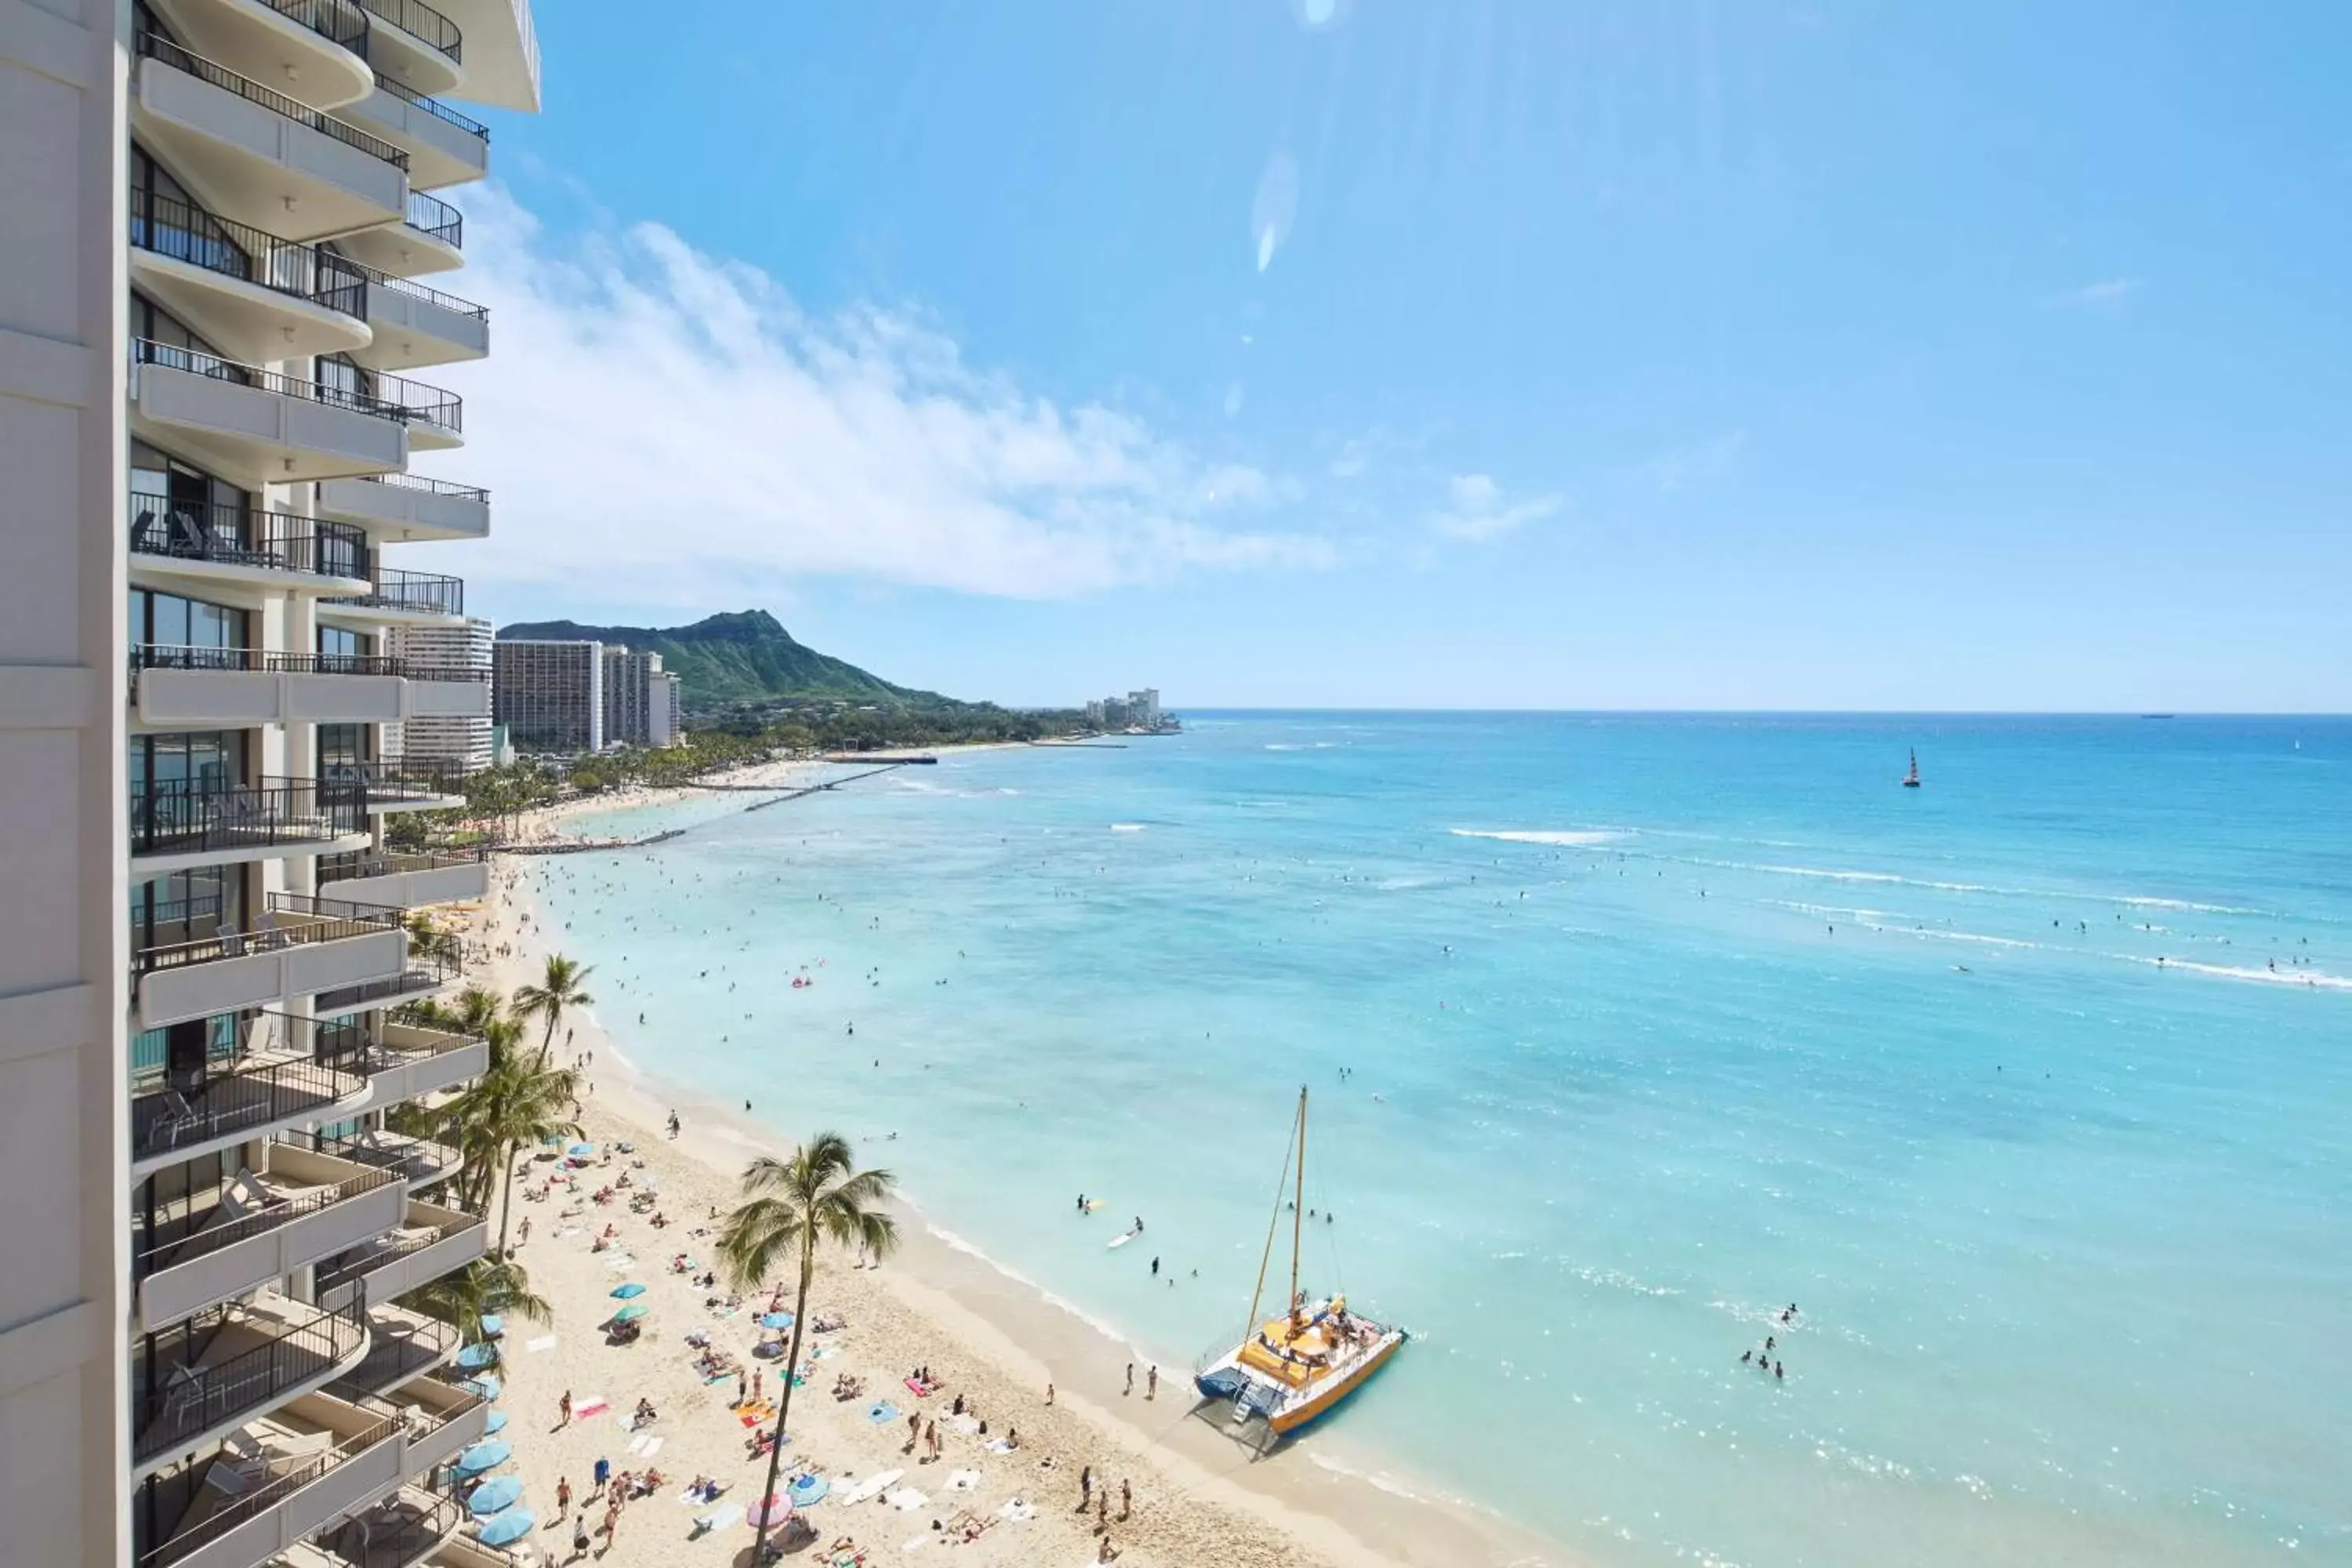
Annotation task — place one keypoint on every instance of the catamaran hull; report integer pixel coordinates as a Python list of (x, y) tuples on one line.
[(1328, 1397)]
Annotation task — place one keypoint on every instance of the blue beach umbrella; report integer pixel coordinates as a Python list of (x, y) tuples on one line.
[(512, 1525), (482, 1456), (493, 1325), (496, 1423), (629, 1314), (776, 1320), (582, 1150), (487, 1385), (493, 1496), (625, 1292), (807, 1489), (473, 1358)]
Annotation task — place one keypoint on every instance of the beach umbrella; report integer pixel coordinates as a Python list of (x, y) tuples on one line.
[(627, 1291), (496, 1423), (493, 1496), (806, 1489), (493, 1325), (774, 1510), (629, 1314), (512, 1525), (482, 1456), (776, 1320), (473, 1358), (582, 1150), (487, 1385)]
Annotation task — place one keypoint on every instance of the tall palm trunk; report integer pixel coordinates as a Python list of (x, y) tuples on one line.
[(785, 1398), (505, 1177)]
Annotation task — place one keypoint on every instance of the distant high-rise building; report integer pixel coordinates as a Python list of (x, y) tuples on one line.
[(641, 703), (666, 716), (1143, 707), (550, 695), (457, 744)]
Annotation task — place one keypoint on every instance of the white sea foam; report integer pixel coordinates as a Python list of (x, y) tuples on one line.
[(1579, 839), (1374, 1479), (2302, 979), (1127, 827)]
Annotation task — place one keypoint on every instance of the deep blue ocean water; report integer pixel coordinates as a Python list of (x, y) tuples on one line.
[(1656, 1025)]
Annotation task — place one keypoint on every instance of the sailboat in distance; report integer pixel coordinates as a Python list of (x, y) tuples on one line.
[(1911, 779), (1297, 1367)]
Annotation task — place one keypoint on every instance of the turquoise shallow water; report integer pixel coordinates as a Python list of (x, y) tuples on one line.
[(2071, 1230)]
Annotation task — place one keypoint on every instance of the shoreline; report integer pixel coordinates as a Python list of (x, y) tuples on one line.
[(1316, 1505)]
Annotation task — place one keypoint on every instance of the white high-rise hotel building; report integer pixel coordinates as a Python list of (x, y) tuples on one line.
[(213, 216)]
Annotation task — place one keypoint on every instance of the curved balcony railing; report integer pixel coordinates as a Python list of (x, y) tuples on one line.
[(155, 47), (404, 781), (186, 1398), (213, 1237), (233, 535), (414, 403), (435, 107), (179, 1117), (331, 868), (188, 816), (289, 921), (411, 1159), (196, 362), (422, 974), (416, 593), (337, 21), (429, 486), (270, 1494), (421, 21), (165, 225), (433, 216)]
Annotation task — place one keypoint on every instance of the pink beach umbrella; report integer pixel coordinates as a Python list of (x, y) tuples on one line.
[(771, 1512)]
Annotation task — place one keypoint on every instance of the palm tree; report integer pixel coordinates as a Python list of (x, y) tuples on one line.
[(483, 1286), (788, 1207), (514, 1104), (559, 990), (426, 939)]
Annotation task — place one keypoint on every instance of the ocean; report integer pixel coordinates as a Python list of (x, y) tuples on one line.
[(2031, 1090)]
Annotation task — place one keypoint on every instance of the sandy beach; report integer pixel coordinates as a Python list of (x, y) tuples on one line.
[(1177, 1491)]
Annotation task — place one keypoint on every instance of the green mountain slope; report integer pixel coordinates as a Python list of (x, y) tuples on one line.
[(743, 657)]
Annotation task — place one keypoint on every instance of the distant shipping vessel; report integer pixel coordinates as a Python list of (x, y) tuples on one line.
[(1911, 779), (1295, 1368)]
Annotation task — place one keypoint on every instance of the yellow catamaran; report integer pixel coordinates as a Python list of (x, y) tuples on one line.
[(1294, 1369)]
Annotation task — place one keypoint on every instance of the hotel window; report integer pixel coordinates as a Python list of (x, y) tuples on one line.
[(180, 347), (201, 759), (342, 380), (194, 905), (168, 621), (343, 750)]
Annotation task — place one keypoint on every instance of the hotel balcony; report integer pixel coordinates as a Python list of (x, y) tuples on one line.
[(407, 507), (259, 427), (403, 1061), (281, 1478), (176, 824), (501, 52), (413, 880), (398, 1531), (414, 980), (245, 291), (301, 946), (443, 147), (415, 46), (429, 237), (178, 688), (412, 325), (427, 1242), (466, 1551), (238, 1103), (399, 786), (403, 1346), (419, 1162), (393, 597), (176, 542), (300, 1208), (444, 1420), (220, 1371), (260, 157), (319, 48)]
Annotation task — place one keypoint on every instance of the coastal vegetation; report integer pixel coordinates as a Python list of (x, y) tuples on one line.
[(789, 1208), (744, 656)]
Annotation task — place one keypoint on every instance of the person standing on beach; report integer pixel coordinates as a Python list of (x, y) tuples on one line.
[(914, 1432), (1126, 1501), (1130, 1378), (1152, 1382), (1086, 1487), (579, 1537), (563, 1495), (1049, 1393), (564, 1411)]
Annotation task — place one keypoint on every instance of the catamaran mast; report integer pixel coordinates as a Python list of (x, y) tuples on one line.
[(1298, 1208)]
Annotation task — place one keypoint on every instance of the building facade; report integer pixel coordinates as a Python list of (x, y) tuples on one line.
[(455, 742), (550, 695), (666, 714), (216, 214)]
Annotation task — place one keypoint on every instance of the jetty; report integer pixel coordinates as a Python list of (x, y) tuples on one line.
[(806, 790), (586, 846)]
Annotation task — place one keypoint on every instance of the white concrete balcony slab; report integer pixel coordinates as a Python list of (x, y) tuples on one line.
[(394, 597), (177, 543), (252, 1098), (400, 1530), (403, 1346), (501, 52), (407, 507), (428, 1242), (289, 953), (197, 687), (430, 236), (218, 1374), (245, 291), (416, 45), (256, 156), (300, 1208), (420, 1162), (417, 978), (444, 146), (411, 325), (260, 427), (315, 48), (409, 881), (444, 1420), (283, 1477)]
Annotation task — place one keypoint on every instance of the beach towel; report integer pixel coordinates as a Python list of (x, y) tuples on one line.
[(922, 1390), (1016, 1510), (544, 1342), (595, 1404), (756, 1415), (881, 1412), (905, 1499), (964, 1481), (637, 1443), (652, 1447)]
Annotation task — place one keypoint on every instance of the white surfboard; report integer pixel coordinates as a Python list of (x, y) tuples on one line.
[(1122, 1238)]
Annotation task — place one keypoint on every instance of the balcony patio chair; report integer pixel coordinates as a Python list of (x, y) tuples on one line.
[(185, 1388), (231, 939), (178, 1120)]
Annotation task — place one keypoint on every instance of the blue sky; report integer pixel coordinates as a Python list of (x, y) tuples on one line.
[(1339, 351)]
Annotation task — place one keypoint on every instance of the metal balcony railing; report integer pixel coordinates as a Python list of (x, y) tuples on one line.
[(412, 1160), (212, 1238), (418, 593), (421, 21), (166, 225), (418, 403), (337, 21), (155, 47), (292, 920), (436, 108), (186, 1398), (393, 1532), (422, 974), (196, 362), (401, 781), (355, 1265), (186, 816), (252, 1505), (227, 534), (179, 1116), (429, 486), (367, 863), (434, 217)]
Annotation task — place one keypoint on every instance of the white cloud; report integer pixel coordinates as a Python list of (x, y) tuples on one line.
[(662, 427), (2107, 292), (1691, 467), (1477, 511)]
